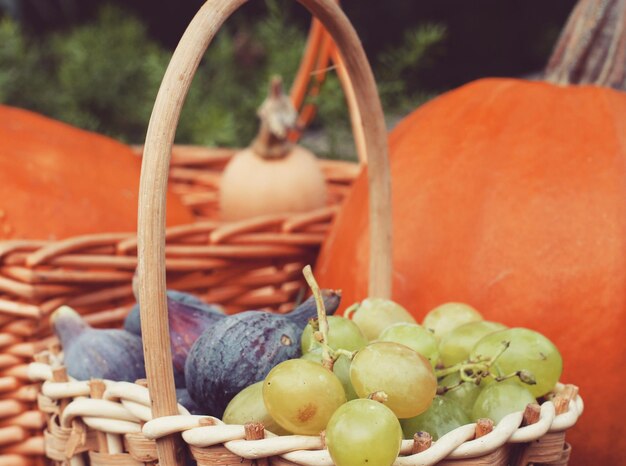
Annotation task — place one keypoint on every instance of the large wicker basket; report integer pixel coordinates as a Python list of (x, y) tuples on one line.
[(109, 422), (253, 264)]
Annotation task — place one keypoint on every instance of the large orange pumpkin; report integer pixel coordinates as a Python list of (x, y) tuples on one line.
[(511, 196), (57, 181)]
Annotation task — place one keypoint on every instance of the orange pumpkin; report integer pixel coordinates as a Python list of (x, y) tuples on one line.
[(511, 196), (57, 181)]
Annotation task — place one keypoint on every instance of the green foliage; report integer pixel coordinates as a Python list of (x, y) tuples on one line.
[(104, 76), (399, 66), (18, 64), (232, 80)]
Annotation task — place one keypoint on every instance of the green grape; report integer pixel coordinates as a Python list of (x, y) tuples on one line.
[(447, 317), (415, 337), (463, 395), (443, 416), (302, 395), (373, 315), (403, 374), (363, 433), (248, 406), (455, 346), (315, 356), (342, 333), (529, 351), (341, 368), (342, 371), (498, 399)]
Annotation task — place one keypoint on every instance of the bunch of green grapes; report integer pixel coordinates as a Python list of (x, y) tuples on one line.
[(376, 375), (361, 391)]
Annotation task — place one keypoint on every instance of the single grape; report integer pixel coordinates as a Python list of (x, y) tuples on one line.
[(455, 346), (443, 416), (342, 333), (248, 406), (373, 315), (528, 350), (363, 433), (302, 395), (403, 374), (464, 395), (498, 399), (447, 317), (315, 356), (341, 369), (415, 337)]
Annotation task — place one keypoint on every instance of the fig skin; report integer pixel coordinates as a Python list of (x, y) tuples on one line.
[(112, 354), (235, 353), (188, 317)]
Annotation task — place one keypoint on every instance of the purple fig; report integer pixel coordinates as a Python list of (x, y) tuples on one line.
[(236, 352), (97, 353), (188, 317)]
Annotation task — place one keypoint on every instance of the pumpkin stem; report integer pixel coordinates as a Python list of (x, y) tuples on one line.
[(592, 46), (278, 116)]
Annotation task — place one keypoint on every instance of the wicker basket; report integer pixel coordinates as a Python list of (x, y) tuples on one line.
[(243, 265), (109, 422)]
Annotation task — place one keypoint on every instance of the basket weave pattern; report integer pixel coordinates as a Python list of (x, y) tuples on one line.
[(119, 429), (253, 264)]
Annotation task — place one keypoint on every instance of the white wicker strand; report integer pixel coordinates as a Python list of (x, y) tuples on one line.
[(538, 429), (207, 436), (112, 426), (254, 449), (39, 372), (138, 410), (127, 391), (115, 443), (490, 442), (309, 457), (135, 398), (168, 425), (60, 390), (440, 449), (83, 407), (566, 420)]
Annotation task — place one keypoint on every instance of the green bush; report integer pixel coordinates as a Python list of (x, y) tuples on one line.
[(104, 76)]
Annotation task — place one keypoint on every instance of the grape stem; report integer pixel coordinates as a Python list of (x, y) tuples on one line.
[(327, 358), (351, 310), (442, 389), (379, 396), (340, 351), (525, 376), (474, 370)]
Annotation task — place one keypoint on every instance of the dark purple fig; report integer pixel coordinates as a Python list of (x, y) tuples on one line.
[(97, 353), (188, 317), (307, 310), (132, 323), (236, 352)]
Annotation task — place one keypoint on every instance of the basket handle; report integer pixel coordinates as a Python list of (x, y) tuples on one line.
[(154, 173)]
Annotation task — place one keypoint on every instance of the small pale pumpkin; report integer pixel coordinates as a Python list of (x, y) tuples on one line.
[(272, 175)]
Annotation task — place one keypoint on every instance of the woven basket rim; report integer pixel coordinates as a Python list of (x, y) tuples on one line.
[(125, 409)]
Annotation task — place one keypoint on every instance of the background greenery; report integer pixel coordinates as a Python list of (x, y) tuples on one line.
[(98, 65)]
